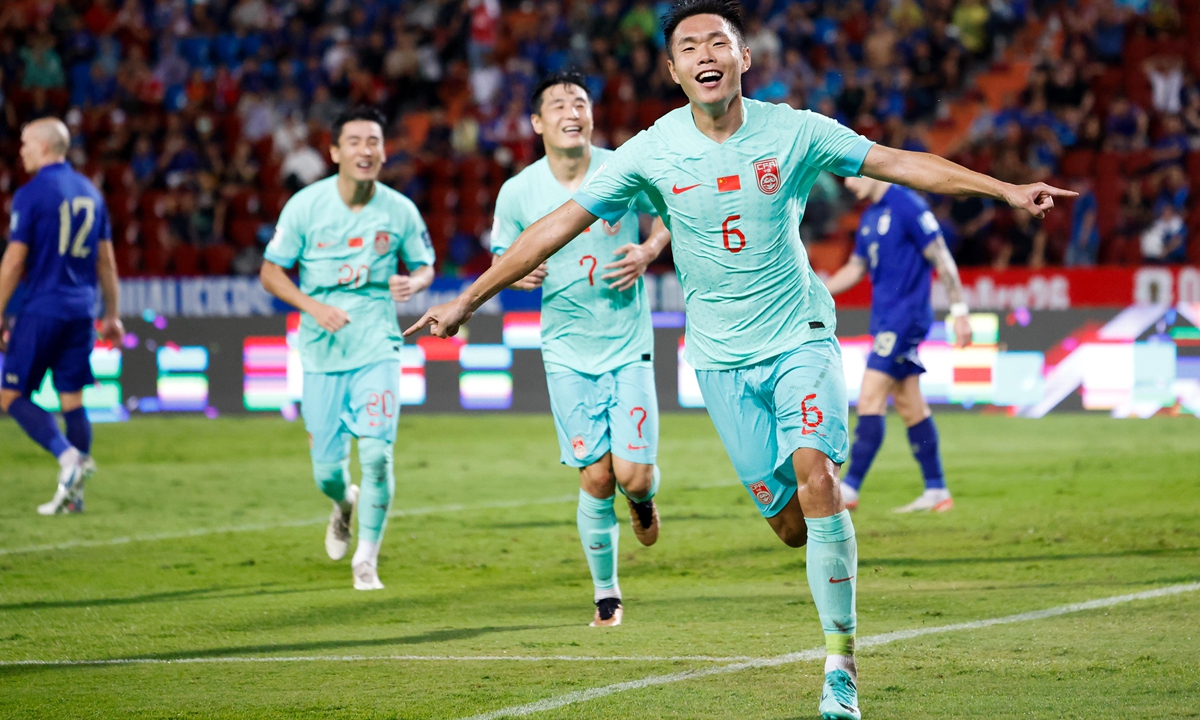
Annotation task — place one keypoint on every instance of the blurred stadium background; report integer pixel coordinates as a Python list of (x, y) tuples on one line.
[(199, 118)]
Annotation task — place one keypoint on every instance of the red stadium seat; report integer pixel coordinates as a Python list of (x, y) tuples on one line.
[(245, 204), (1078, 163), (244, 232), (187, 260), (218, 259)]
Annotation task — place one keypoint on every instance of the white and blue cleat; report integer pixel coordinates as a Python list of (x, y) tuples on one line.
[(68, 498), (839, 697)]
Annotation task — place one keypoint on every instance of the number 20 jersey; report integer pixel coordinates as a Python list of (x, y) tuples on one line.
[(734, 211), (586, 326), (345, 261)]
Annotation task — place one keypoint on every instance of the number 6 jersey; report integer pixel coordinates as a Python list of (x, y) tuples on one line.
[(345, 261), (586, 326), (734, 211)]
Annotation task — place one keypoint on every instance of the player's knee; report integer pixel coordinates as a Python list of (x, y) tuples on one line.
[(822, 483), (375, 456), (598, 479), (331, 478), (636, 479)]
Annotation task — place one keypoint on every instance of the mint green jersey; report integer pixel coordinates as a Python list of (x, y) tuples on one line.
[(586, 326), (345, 260), (734, 211)]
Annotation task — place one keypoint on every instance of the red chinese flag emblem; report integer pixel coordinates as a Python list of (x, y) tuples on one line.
[(729, 183), (356, 242), (767, 172)]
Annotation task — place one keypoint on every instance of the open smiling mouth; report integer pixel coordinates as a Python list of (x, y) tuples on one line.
[(710, 78), (365, 164), (572, 129)]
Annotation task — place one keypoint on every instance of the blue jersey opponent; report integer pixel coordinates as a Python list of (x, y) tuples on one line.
[(60, 240), (899, 243)]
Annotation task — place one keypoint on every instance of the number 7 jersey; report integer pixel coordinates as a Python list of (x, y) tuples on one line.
[(734, 212), (345, 261)]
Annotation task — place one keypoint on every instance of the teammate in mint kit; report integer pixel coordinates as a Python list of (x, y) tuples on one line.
[(597, 338), (730, 177), (348, 233)]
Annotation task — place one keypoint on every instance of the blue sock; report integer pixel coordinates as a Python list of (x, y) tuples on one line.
[(79, 430), (598, 530), (868, 436), (923, 438), (39, 425)]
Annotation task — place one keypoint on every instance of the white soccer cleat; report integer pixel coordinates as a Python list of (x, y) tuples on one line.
[(366, 577), (337, 534), (68, 497), (930, 501), (849, 497)]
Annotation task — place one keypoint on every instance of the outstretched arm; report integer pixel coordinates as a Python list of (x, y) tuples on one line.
[(923, 171), (539, 241), (939, 256), (848, 276)]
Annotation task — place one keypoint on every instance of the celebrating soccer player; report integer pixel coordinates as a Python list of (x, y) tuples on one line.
[(597, 339), (61, 240), (347, 232), (899, 241), (730, 176)]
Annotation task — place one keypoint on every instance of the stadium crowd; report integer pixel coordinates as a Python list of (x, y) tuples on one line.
[(198, 118)]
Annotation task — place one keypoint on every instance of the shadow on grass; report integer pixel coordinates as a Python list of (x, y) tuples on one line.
[(208, 593)]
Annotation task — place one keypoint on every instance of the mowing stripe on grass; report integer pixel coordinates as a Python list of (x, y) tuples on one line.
[(819, 653), (259, 527), (366, 658)]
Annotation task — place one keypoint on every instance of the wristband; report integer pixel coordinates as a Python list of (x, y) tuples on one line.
[(959, 309)]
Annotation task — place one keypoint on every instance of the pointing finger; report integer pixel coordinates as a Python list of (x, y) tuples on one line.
[(425, 321)]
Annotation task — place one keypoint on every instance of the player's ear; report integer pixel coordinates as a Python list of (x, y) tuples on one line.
[(335, 154), (536, 121), (745, 59), (671, 68)]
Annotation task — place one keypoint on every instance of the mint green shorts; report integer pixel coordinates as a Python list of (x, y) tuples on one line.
[(612, 412), (767, 411), (361, 403)]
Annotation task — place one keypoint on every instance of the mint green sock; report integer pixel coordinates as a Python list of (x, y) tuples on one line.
[(598, 531), (832, 567), (647, 496), (378, 486), (332, 479)]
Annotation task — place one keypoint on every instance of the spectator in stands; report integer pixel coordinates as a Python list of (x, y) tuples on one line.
[(1165, 241), (43, 66), (1084, 244), (1127, 125), (303, 165), (1172, 146), (973, 217), (1024, 245), (1166, 82)]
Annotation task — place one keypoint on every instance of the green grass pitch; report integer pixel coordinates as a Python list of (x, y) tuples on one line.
[(225, 563)]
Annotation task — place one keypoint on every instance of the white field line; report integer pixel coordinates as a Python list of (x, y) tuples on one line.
[(580, 696), (367, 658), (259, 527)]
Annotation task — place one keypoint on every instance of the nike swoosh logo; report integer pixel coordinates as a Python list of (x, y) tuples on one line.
[(598, 547), (677, 190), (322, 246), (639, 447), (835, 582)]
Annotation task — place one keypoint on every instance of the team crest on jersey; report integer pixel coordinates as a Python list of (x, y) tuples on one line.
[(610, 229), (579, 447), (762, 493), (383, 242), (767, 172)]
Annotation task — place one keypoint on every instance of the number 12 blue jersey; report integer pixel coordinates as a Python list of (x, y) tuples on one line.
[(61, 216), (892, 237)]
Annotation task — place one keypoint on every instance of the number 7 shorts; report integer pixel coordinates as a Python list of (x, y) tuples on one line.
[(361, 403), (765, 412), (615, 411)]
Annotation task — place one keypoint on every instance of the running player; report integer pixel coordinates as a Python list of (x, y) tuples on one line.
[(597, 338), (899, 242), (731, 176), (347, 232), (61, 240)]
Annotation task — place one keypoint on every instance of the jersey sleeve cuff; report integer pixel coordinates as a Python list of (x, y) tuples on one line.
[(852, 162), (610, 211), (279, 260)]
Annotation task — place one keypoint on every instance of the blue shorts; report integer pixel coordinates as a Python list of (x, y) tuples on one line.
[(38, 344), (613, 412), (765, 412), (895, 353), (361, 403)]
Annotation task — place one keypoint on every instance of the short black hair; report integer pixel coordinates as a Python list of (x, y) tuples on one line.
[(360, 112), (561, 77), (731, 10)]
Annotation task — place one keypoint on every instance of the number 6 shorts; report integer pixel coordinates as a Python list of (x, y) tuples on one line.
[(615, 411), (361, 403), (765, 412)]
